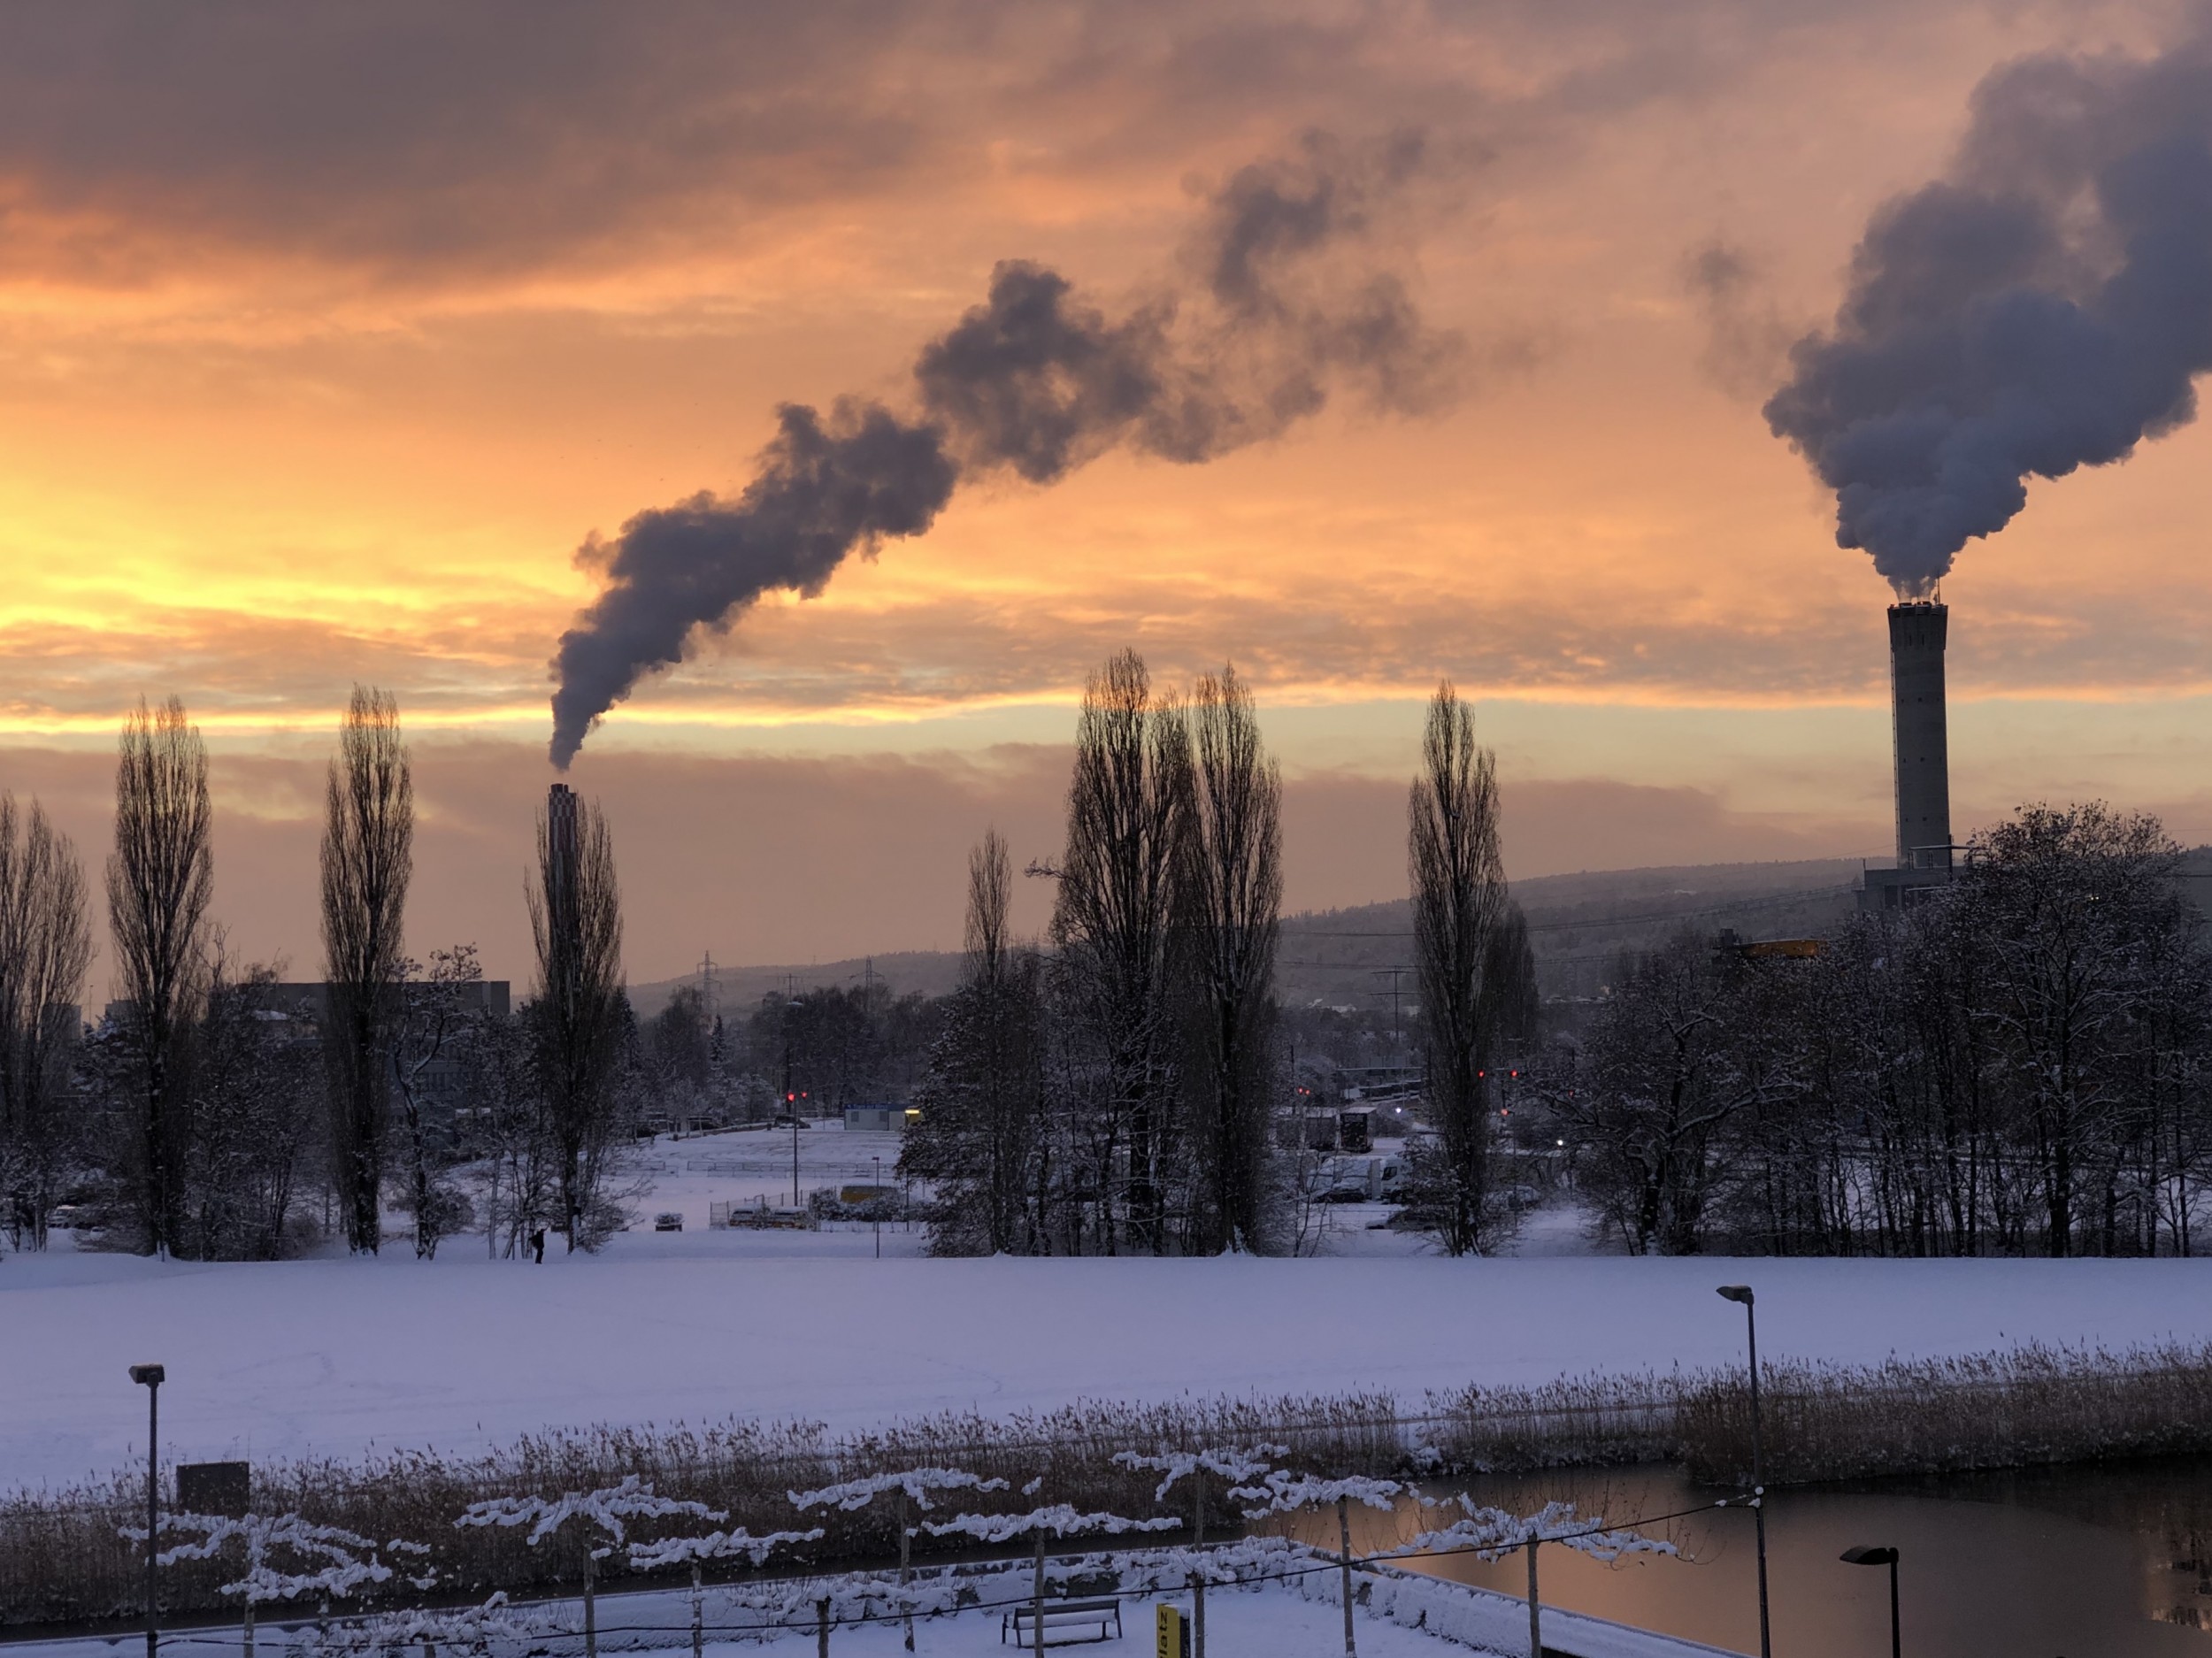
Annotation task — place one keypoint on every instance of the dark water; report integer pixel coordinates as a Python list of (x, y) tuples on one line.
[(2113, 1561)]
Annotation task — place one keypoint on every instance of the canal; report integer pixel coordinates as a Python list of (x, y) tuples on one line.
[(2113, 1561)]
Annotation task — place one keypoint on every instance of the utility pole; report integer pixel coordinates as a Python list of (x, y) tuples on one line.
[(1394, 974), (709, 989)]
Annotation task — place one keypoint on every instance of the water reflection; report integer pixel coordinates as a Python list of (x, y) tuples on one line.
[(2106, 1562)]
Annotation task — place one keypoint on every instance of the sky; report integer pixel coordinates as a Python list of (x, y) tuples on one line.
[(338, 345)]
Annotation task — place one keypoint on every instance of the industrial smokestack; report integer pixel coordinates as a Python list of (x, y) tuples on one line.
[(562, 918), (1917, 633)]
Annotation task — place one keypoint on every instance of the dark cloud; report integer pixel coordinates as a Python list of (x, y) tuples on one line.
[(426, 142), (1301, 296), (823, 489), (2045, 307)]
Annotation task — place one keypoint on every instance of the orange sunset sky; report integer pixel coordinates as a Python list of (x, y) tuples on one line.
[(327, 335)]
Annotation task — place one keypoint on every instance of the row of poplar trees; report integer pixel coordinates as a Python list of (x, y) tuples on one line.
[(196, 1116), (1117, 1087)]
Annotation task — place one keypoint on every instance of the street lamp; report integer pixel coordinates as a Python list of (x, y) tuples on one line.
[(1865, 1555), (151, 1376), (875, 1202), (1741, 1295)]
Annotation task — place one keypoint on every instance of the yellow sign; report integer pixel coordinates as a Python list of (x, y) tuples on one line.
[(1174, 1639)]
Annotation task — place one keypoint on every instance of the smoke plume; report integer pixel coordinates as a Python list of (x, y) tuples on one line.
[(2045, 306), (1287, 294)]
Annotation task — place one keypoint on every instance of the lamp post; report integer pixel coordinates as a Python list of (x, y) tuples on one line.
[(875, 1202), (1866, 1555), (1741, 1295), (151, 1376)]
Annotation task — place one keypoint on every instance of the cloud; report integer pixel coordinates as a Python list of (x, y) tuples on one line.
[(1746, 340), (422, 144), (2046, 305), (1296, 299)]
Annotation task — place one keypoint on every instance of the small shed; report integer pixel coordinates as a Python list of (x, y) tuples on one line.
[(880, 1119)]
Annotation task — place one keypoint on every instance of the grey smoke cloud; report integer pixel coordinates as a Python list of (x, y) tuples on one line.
[(2045, 306), (1291, 294)]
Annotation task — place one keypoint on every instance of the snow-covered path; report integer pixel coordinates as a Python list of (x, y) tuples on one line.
[(332, 1356)]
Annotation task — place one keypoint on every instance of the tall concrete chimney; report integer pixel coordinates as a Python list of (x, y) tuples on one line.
[(1916, 632), (562, 917)]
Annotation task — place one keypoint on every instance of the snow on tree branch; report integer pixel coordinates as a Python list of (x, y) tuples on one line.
[(1060, 1519), (608, 1509), (917, 1482), (1233, 1464), (677, 1551), (1492, 1533), (346, 1561), (1285, 1493)]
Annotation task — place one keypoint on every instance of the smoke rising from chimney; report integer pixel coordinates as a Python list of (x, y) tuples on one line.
[(1290, 293), (2045, 306)]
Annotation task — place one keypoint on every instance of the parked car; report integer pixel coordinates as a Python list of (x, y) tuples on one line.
[(671, 1221)]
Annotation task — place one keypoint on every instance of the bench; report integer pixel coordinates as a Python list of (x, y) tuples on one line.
[(1063, 1616)]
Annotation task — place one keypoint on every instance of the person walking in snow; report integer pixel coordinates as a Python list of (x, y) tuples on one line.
[(537, 1246)]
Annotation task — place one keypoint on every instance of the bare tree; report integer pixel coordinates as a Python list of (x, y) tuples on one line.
[(1231, 896), (367, 858), (45, 951), (436, 1018), (247, 1088), (1459, 898), (1129, 809), (982, 1096), (581, 1010), (159, 881)]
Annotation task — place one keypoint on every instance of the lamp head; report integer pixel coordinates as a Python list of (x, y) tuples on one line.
[(148, 1375), (1865, 1555), (1736, 1293)]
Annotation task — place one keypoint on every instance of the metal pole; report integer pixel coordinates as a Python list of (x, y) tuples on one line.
[(591, 1619), (876, 1203), (1535, 1617), (151, 1376), (1758, 1478), (1896, 1634), (1344, 1535), (821, 1627), (698, 1616)]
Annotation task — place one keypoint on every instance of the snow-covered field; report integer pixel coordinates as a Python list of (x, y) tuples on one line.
[(336, 1355)]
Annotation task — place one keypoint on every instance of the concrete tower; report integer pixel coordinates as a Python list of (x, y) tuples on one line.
[(1917, 633)]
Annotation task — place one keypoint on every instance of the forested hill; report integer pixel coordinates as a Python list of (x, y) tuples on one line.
[(1580, 925)]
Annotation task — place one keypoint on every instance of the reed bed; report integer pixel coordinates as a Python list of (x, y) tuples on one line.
[(63, 1561)]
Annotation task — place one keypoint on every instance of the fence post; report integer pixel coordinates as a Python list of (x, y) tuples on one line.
[(698, 1614), (591, 1619), (1344, 1534), (1037, 1614), (1535, 1627), (821, 1627), (906, 1574), (1198, 1610), (249, 1640)]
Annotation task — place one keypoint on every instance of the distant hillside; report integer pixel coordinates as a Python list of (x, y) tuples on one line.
[(1579, 924), (1346, 957)]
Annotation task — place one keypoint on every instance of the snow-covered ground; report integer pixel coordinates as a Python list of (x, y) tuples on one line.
[(1399, 1615), (334, 1356)]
